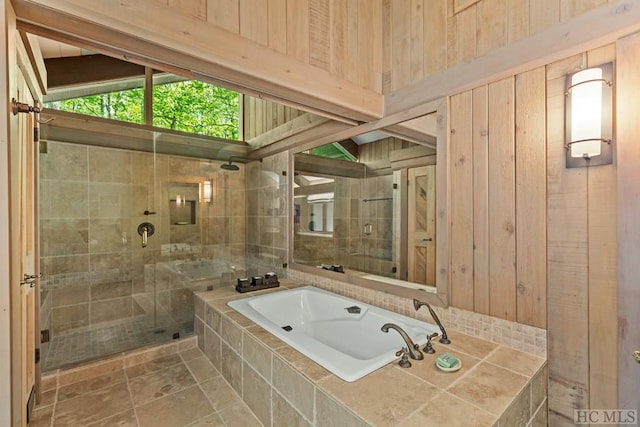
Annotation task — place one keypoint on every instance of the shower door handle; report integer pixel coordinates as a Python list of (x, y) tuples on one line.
[(145, 230)]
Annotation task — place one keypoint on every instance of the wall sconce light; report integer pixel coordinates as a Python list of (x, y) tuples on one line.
[(207, 191), (589, 117)]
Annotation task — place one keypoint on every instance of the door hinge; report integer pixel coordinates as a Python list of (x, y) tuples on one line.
[(37, 355)]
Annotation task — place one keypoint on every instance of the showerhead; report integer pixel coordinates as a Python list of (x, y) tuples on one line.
[(229, 166)]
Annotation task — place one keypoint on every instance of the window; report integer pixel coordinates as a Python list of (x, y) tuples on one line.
[(185, 105), (125, 105), (196, 107)]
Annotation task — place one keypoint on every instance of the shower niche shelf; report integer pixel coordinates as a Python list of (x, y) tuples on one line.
[(182, 212)]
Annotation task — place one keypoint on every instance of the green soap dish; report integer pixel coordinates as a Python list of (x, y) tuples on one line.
[(448, 363)]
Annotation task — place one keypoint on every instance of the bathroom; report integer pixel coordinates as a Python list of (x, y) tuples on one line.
[(503, 265)]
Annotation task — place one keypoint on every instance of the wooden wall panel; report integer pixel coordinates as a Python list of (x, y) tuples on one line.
[(461, 175), (481, 200), (531, 207), (277, 18), (319, 31), (457, 31), (466, 27), (492, 25), (417, 40), (401, 43), (517, 20), (435, 37), (543, 14), (225, 14), (195, 8), (603, 283), (571, 8), (253, 24), (502, 238), (298, 29), (567, 265)]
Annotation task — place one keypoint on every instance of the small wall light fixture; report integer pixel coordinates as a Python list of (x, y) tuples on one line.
[(207, 191), (589, 117)]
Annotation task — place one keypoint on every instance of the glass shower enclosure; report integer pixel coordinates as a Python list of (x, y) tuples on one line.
[(127, 236)]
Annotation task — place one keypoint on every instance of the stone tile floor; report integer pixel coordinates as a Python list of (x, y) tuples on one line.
[(171, 385), (71, 348)]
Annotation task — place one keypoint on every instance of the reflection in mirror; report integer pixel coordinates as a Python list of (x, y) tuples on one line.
[(371, 214)]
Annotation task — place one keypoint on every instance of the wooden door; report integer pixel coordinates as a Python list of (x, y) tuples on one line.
[(421, 253), (24, 256)]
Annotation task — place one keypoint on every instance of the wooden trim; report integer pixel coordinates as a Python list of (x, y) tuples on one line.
[(327, 166), (37, 63), (305, 142), (26, 65), (76, 128), (8, 24), (591, 29), (317, 136), (149, 29), (299, 124)]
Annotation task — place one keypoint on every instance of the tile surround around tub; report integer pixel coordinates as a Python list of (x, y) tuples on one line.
[(296, 389), (510, 334)]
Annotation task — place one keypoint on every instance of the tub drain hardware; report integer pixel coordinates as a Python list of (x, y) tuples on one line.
[(287, 328), (354, 309)]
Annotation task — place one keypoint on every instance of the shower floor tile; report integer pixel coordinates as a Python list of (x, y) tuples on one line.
[(71, 348), (185, 393)]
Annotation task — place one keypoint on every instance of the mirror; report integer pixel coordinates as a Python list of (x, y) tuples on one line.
[(364, 212)]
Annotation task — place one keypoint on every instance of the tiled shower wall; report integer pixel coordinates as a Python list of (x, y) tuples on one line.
[(96, 271)]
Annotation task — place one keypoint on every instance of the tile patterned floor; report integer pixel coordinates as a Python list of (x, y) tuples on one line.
[(72, 348), (171, 385)]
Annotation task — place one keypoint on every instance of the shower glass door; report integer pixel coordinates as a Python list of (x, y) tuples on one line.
[(104, 291)]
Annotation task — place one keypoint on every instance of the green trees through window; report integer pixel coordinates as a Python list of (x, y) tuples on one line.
[(188, 106)]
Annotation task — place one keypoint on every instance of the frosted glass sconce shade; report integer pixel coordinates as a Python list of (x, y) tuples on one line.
[(589, 117), (207, 191)]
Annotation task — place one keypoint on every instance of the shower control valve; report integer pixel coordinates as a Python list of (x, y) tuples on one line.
[(145, 230)]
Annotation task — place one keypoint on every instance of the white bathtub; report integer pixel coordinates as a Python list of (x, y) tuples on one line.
[(350, 345)]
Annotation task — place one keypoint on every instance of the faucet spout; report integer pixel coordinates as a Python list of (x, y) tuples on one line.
[(414, 352)]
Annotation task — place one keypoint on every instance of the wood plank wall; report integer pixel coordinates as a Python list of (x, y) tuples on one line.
[(582, 264), (533, 241), (498, 210), (422, 37), (342, 37)]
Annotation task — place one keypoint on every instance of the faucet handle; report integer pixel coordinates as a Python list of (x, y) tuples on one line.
[(404, 361), (428, 347)]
